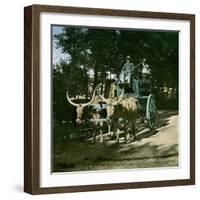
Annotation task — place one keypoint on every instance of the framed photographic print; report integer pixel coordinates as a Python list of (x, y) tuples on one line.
[(109, 99)]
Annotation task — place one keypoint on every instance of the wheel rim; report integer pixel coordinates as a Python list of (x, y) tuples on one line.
[(150, 111)]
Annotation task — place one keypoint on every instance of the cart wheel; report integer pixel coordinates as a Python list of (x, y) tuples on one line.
[(151, 111)]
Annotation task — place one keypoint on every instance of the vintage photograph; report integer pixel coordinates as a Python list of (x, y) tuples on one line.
[(115, 97)]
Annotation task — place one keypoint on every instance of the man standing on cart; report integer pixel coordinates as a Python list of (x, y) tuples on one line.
[(127, 70)]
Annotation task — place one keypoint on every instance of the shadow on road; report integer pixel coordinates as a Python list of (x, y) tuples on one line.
[(146, 133), (153, 148), (162, 120)]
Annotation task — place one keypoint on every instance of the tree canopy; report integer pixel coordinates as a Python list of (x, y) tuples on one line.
[(96, 53)]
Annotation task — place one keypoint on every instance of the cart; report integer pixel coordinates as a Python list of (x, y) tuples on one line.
[(142, 90)]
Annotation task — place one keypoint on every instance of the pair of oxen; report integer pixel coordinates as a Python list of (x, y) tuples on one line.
[(121, 114)]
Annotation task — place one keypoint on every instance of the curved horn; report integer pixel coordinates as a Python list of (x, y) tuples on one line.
[(69, 100), (93, 96), (120, 98), (108, 101), (104, 99)]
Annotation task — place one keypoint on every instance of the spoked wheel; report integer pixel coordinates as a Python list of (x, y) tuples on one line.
[(151, 111)]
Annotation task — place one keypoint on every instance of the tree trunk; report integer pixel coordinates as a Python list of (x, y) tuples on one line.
[(95, 77)]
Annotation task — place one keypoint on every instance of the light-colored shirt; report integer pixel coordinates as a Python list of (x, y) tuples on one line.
[(128, 67)]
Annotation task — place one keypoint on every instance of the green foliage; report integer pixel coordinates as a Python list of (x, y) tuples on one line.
[(105, 50)]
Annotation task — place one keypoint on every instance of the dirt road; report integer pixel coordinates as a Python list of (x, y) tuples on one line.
[(157, 148)]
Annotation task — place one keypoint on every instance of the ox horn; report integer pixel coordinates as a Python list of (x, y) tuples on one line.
[(104, 99), (108, 101), (70, 101), (83, 104), (93, 96), (120, 98)]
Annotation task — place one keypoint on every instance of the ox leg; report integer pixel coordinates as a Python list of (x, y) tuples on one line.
[(133, 131), (94, 137), (117, 136), (101, 136), (94, 133), (126, 134), (109, 127), (113, 133), (101, 133), (126, 131)]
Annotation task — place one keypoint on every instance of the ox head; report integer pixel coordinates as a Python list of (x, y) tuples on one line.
[(80, 106), (111, 103)]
